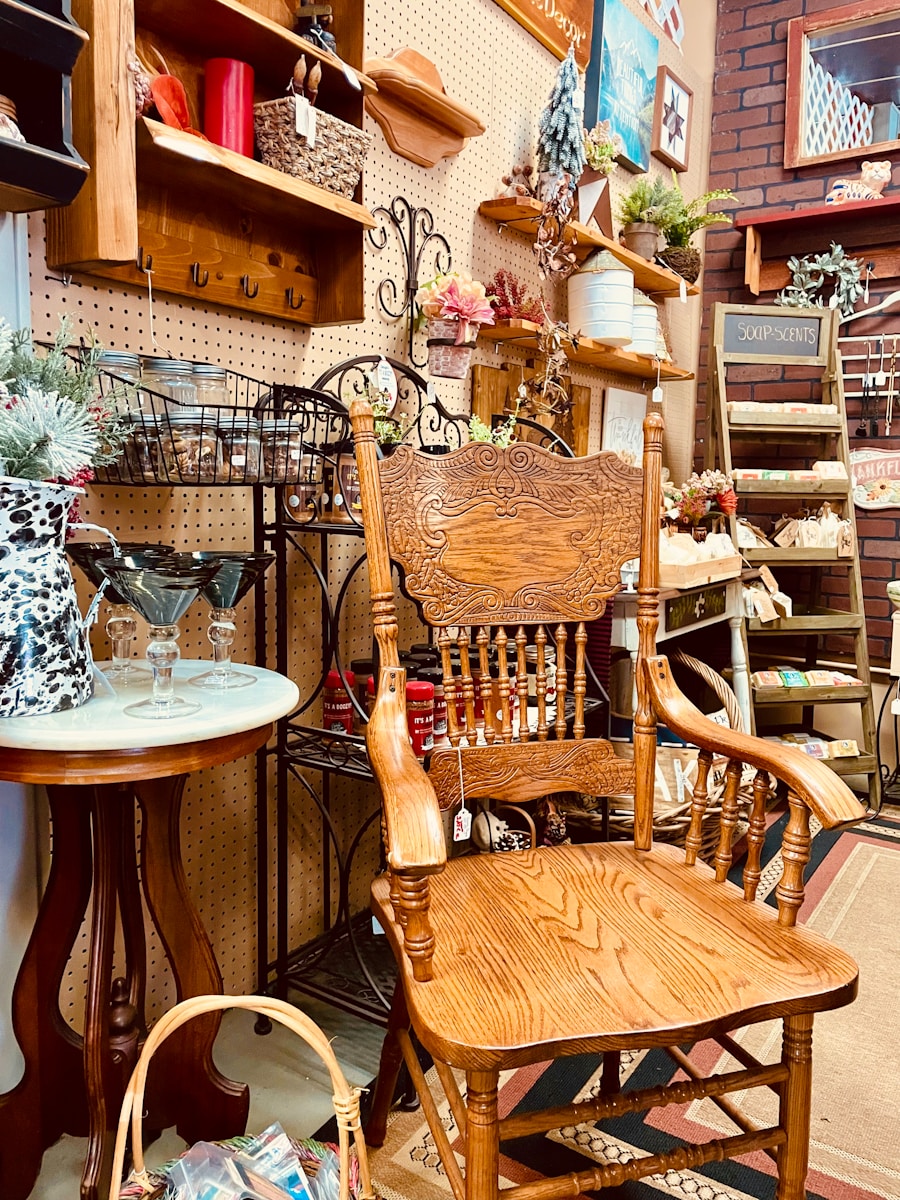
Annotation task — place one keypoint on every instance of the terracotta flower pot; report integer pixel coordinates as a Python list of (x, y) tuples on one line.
[(446, 359), (641, 237)]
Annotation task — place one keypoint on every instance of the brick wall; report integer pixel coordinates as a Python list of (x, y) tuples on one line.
[(747, 155)]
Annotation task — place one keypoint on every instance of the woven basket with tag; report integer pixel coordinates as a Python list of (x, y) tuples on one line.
[(335, 160), (144, 1184)]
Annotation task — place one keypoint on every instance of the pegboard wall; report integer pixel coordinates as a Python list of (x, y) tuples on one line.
[(491, 64)]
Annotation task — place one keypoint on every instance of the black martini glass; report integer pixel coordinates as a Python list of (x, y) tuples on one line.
[(238, 571)]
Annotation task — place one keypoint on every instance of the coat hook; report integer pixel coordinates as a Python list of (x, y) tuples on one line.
[(147, 266), (245, 284), (195, 275), (289, 296)]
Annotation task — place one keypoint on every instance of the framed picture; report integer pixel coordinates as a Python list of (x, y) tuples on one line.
[(672, 120), (623, 89), (623, 421)]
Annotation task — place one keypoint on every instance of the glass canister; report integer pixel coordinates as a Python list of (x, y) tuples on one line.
[(301, 500), (240, 438), (140, 456), (281, 450), (341, 503), (171, 377), (211, 383), (190, 448)]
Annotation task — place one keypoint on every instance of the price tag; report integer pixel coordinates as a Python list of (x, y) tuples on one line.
[(301, 115), (656, 396), (682, 291), (462, 826), (768, 579), (386, 384), (430, 393), (311, 128)]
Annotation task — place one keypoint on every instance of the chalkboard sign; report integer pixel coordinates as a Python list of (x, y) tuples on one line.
[(773, 336)]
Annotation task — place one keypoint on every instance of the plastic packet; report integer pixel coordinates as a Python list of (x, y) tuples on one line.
[(327, 1183), (272, 1156)]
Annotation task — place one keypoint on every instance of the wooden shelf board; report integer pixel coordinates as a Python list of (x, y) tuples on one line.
[(872, 225), (226, 27), (797, 556), (860, 764), (784, 424), (588, 352), (834, 621), (839, 488), (521, 214), (185, 161), (844, 694)]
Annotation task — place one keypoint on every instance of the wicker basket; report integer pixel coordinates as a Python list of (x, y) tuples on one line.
[(144, 1183), (676, 769), (335, 161)]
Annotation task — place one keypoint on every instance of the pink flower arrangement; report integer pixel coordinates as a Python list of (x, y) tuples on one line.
[(456, 297)]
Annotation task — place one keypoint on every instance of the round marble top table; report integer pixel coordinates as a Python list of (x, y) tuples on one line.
[(97, 762)]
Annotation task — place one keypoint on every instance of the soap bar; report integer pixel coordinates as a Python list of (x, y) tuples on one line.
[(793, 679), (844, 748)]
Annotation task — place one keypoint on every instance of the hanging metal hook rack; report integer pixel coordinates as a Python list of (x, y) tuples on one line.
[(416, 233)]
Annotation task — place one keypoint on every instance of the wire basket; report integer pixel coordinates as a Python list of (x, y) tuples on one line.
[(335, 160), (144, 1183)]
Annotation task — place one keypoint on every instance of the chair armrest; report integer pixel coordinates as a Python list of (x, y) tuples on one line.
[(832, 802), (415, 832)]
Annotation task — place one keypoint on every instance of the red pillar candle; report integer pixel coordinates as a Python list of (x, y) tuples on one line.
[(228, 104)]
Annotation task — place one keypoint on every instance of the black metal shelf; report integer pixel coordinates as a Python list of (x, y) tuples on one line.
[(340, 753)]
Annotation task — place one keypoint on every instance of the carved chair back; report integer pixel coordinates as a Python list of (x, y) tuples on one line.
[(508, 553)]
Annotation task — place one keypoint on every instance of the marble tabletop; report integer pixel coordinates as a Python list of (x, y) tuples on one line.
[(101, 724)]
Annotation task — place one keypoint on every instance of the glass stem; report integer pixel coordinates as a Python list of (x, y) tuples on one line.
[(221, 635), (162, 655), (120, 629)]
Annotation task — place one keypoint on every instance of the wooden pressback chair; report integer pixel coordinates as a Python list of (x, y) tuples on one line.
[(513, 958)]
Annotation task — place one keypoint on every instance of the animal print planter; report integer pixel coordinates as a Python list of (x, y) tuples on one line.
[(45, 661)]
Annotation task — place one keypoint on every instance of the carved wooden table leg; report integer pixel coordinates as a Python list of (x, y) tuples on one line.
[(201, 1102), (103, 1084), (48, 1100)]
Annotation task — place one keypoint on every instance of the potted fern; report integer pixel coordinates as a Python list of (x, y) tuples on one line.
[(643, 212), (680, 220)]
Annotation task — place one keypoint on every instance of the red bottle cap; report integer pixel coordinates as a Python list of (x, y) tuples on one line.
[(418, 689), (370, 685), (334, 682)]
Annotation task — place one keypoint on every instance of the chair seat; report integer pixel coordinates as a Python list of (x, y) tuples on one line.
[(575, 949)]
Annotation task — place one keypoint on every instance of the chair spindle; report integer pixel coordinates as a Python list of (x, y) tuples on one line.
[(693, 843), (522, 682), (466, 682), (728, 819), (483, 638), (450, 688), (795, 850), (540, 682), (579, 680), (506, 729), (756, 835), (561, 636)]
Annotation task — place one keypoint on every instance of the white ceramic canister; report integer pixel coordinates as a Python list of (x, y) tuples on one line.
[(643, 325), (601, 296)]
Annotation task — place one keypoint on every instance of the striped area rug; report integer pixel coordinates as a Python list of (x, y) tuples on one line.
[(853, 897)]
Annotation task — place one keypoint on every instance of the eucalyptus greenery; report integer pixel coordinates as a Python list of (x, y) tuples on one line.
[(808, 276), (54, 424)]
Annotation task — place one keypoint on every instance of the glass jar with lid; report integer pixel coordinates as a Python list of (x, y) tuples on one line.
[(240, 438), (119, 392), (211, 383), (190, 448), (139, 458), (171, 377), (281, 450)]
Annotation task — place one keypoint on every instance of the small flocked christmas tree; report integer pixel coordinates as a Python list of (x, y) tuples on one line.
[(560, 133)]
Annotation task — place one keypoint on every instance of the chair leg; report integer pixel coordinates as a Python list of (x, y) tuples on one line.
[(609, 1075), (482, 1136), (794, 1110), (388, 1071)]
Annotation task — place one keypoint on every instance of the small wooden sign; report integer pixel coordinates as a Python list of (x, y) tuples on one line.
[(875, 476), (556, 24), (775, 337), (694, 607)]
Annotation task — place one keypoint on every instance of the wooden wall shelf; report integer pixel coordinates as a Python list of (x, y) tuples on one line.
[(588, 352), (521, 213), (38, 50), (869, 226), (262, 241), (419, 120)]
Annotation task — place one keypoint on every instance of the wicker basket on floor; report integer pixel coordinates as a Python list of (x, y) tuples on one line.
[(675, 772), (145, 1184), (334, 163)]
